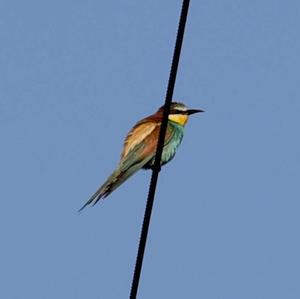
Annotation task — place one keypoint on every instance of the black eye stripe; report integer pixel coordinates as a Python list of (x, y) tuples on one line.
[(177, 111)]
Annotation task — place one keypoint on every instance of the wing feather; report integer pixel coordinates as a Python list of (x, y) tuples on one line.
[(143, 151), (137, 135)]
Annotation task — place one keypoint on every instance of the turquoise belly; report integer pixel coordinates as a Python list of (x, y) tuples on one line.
[(169, 149)]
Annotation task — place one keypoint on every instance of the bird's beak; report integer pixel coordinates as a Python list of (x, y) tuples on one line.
[(192, 111)]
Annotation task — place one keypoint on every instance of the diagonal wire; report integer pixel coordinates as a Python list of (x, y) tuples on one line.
[(161, 138)]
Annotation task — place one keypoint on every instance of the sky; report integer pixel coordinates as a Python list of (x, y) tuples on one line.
[(75, 76)]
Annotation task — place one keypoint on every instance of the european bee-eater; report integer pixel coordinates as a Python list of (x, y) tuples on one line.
[(140, 147)]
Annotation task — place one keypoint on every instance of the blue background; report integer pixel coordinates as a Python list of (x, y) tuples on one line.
[(76, 75)]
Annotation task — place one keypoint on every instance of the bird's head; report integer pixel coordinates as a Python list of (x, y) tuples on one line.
[(179, 113)]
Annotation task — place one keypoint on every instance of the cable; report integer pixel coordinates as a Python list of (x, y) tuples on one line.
[(159, 150)]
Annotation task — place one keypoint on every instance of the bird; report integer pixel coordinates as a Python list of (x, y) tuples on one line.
[(140, 147)]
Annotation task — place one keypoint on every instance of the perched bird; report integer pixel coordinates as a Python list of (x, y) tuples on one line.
[(140, 147)]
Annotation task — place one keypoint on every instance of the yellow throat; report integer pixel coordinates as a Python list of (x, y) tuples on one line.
[(180, 119)]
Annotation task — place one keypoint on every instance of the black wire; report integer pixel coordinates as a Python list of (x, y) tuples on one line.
[(161, 138)]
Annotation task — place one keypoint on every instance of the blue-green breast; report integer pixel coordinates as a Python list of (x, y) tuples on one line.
[(170, 148)]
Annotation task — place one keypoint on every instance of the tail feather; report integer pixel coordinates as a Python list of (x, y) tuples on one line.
[(104, 190), (117, 178)]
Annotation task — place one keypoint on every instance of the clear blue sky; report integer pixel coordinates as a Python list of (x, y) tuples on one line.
[(76, 75)]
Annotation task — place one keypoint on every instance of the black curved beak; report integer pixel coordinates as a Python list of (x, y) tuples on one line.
[(192, 111)]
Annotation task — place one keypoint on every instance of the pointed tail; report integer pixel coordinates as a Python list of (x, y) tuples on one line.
[(110, 184), (117, 178)]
